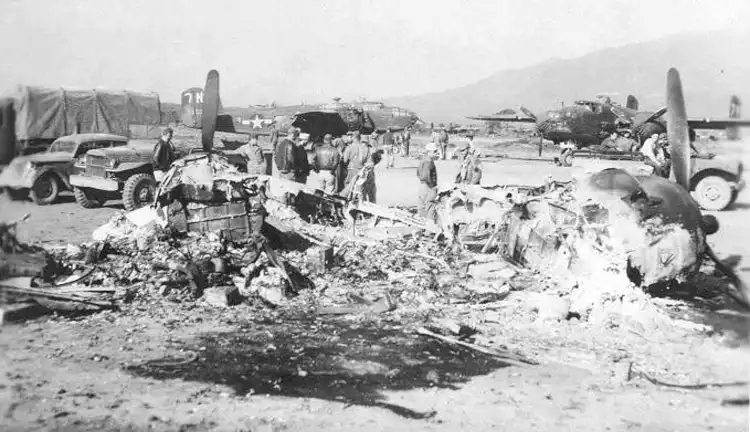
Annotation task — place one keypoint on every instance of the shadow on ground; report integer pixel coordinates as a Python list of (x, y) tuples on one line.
[(330, 360), (710, 305)]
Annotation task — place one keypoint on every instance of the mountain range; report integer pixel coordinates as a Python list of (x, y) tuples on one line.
[(713, 66)]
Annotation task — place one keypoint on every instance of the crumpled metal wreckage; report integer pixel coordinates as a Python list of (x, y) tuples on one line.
[(604, 221), (607, 221)]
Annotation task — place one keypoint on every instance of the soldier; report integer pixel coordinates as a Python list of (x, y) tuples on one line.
[(253, 156), (443, 141), (471, 170), (326, 162), (609, 143), (163, 155), (407, 140), (341, 145), (388, 146), (274, 139), (358, 158), (653, 151), (472, 145), (625, 141), (374, 139), (302, 168), (435, 137), (427, 174), (285, 153)]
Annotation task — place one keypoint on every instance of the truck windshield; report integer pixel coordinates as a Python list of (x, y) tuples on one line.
[(63, 146)]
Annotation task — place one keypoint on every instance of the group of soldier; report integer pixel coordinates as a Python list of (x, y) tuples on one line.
[(655, 149), (470, 171), (344, 165)]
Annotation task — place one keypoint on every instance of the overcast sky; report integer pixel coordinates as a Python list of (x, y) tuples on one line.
[(290, 51)]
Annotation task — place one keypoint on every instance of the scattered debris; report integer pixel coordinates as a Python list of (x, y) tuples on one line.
[(632, 373), (504, 356)]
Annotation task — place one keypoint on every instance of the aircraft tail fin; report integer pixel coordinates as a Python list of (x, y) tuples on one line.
[(191, 107), (733, 133), (632, 103)]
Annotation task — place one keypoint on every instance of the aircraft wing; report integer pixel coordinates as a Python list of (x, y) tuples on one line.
[(717, 123), (503, 117)]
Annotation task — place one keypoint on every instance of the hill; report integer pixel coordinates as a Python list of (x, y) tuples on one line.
[(713, 66)]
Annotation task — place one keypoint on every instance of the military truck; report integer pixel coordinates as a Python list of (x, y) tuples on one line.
[(104, 174), (31, 118)]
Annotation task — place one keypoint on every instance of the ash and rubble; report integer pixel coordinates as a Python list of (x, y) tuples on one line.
[(223, 237)]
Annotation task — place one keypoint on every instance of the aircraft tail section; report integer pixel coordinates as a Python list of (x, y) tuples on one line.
[(632, 103), (733, 132), (191, 107)]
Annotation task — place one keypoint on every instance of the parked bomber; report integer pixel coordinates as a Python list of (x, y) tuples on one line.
[(362, 116), (587, 123)]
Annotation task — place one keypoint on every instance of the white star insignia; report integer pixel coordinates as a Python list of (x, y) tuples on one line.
[(257, 122)]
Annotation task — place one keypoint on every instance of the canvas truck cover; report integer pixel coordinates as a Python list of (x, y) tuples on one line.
[(48, 113)]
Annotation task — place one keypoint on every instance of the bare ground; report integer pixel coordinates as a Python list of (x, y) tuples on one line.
[(248, 368)]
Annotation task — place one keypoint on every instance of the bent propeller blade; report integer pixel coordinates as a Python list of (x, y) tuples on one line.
[(210, 110), (677, 130)]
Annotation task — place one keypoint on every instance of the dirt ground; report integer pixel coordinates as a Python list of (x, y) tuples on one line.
[(260, 370)]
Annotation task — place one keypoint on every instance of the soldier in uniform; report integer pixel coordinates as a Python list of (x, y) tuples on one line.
[(285, 155), (253, 156), (388, 146), (427, 174), (471, 169), (274, 139), (163, 155), (653, 150), (443, 138), (326, 161), (358, 158), (302, 158), (407, 140)]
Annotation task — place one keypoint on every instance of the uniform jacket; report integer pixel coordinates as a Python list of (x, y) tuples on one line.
[(388, 139), (327, 157), (356, 156), (426, 172), (163, 155), (471, 171), (253, 156), (285, 156)]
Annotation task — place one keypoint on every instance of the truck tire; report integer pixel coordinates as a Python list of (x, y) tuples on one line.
[(713, 193), (89, 198), (139, 190), (45, 189)]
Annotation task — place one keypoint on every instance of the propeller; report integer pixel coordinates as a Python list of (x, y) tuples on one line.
[(211, 103), (677, 130), (528, 113)]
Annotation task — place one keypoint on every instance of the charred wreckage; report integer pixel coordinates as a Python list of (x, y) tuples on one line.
[(216, 233)]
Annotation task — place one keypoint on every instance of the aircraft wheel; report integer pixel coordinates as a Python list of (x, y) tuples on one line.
[(139, 191), (45, 189), (566, 158), (713, 193)]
